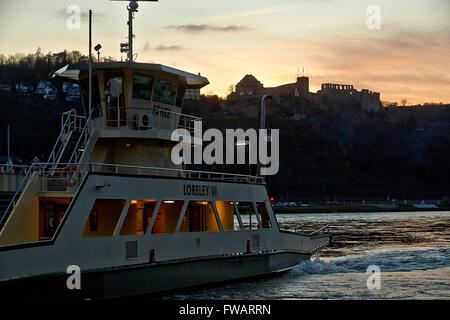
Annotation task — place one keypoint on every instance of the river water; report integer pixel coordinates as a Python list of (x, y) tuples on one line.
[(411, 250)]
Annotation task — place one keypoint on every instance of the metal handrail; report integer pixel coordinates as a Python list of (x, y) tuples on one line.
[(24, 168), (320, 229), (83, 133), (15, 194), (155, 111), (190, 173), (60, 136)]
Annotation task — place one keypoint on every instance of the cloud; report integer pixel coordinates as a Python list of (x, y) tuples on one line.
[(162, 47), (196, 28)]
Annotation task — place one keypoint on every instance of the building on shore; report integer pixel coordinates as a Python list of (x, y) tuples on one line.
[(369, 100), (250, 88), (192, 94)]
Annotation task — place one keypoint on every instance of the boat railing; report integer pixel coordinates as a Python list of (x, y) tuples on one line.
[(143, 119), (323, 230), (68, 176), (13, 168), (22, 185), (70, 123), (301, 230), (73, 120), (82, 142)]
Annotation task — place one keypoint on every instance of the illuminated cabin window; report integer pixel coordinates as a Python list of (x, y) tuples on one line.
[(228, 215), (142, 87), (167, 216), (264, 215), (103, 218), (250, 219), (199, 217), (138, 217), (165, 91), (51, 213)]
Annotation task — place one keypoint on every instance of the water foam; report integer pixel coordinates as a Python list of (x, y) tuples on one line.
[(388, 261)]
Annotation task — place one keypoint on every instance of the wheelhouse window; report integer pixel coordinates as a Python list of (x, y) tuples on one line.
[(180, 95), (103, 217), (142, 87), (228, 215), (96, 101), (115, 99), (264, 215), (165, 91), (249, 217), (167, 216), (138, 217), (199, 217)]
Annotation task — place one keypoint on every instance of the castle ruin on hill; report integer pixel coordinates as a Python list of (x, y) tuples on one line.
[(250, 87)]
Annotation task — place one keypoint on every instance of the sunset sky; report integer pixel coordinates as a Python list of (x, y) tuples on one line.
[(408, 58)]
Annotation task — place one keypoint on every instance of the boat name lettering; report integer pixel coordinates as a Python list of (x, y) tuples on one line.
[(162, 111), (199, 190)]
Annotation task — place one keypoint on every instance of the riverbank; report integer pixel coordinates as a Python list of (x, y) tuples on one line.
[(354, 209)]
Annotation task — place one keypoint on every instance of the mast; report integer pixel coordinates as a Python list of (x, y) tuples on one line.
[(132, 7), (9, 155), (90, 68), (128, 47)]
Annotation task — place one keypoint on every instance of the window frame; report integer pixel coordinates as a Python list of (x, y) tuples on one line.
[(152, 77), (155, 93), (260, 217)]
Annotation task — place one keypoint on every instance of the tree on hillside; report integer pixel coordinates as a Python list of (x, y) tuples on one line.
[(404, 101)]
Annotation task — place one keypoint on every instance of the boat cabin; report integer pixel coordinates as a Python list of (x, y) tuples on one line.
[(135, 109), (134, 96)]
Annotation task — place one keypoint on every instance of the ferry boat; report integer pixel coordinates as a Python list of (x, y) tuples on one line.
[(110, 201)]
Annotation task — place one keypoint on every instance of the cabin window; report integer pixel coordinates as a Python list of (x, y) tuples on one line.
[(131, 250), (142, 87), (51, 213), (167, 216), (96, 101), (138, 217), (249, 217), (228, 215), (104, 216), (180, 95), (199, 217), (115, 99), (264, 215), (165, 91)]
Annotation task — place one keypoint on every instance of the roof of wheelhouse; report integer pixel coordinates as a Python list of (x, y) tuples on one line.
[(73, 72)]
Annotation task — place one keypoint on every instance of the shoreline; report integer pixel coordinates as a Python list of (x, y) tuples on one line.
[(353, 209)]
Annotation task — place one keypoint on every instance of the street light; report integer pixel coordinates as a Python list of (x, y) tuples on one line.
[(246, 143), (262, 124), (97, 48)]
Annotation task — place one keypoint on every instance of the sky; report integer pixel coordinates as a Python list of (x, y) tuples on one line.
[(407, 57)]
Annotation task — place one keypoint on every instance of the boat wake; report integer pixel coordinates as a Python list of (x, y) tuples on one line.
[(388, 261)]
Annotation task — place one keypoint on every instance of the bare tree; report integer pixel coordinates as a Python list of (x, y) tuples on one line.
[(230, 89)]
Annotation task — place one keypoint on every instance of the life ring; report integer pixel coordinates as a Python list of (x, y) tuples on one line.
[(71, 174)]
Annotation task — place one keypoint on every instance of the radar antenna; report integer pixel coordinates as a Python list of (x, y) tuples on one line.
[(128, 46)]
